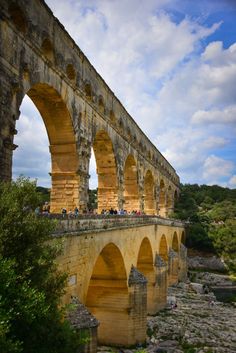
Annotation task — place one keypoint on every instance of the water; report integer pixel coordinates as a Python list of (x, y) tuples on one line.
[(225, 294)]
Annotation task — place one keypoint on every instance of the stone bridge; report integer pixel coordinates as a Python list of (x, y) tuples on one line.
[(38, 58), (120, 268)]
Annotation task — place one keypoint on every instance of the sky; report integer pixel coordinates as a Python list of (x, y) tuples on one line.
[(172, 64)]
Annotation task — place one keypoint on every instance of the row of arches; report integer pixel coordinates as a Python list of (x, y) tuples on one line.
[(110, 288), (122, 184)]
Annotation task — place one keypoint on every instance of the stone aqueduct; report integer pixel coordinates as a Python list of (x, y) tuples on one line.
[(39, 59), (120, 267)]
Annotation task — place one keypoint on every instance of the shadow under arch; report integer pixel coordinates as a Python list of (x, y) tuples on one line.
[(106, 171), (107, 296), (149, 199), (145, 264), (183, 237), (175, 243), (131, 192), (163, 248), (64, 157)]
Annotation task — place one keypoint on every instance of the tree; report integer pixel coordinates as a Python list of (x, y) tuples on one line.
[(30, 283)]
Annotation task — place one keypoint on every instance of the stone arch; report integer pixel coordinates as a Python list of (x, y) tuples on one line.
[(88, 90), (47, 49), (131, 193), (107, 296), (162, 199), (106, 171), (183, 238), (18, 17), (112, 116), (70, 72), (175, 243), (145, 266), (149, 199), (64, 157), (163, 248)]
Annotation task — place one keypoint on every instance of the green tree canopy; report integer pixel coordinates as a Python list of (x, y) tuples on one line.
[(30, 283)]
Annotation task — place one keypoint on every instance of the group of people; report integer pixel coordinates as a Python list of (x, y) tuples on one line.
[(121, 212), (45, 210)]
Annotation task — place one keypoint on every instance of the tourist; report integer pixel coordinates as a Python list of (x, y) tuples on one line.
[(64, 212), (76, 211), (46, 208)]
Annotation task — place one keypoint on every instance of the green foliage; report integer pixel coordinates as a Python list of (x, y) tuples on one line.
[(93, 202), (211, 211), (30, 284)]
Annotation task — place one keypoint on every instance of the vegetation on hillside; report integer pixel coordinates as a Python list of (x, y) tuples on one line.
[(211, 211), (30, 283)]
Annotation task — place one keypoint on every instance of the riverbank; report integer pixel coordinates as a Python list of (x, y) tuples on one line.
[(199, 324)]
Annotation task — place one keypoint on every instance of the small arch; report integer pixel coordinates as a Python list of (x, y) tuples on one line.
[(70, 72), (175, 243), (106, 170), (112, 116), (88, 91), (183, 237), (107, 296), (47, 49), (131, 194), (18, 17), (101, 105), (149, 200), (163, 248)]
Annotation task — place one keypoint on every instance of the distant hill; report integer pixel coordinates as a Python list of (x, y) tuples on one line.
[(211, 211)]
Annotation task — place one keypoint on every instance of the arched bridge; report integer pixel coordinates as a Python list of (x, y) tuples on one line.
[(39, 59), (120, 268)]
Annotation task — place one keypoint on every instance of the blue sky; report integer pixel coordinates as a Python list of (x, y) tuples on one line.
[(172, 63)]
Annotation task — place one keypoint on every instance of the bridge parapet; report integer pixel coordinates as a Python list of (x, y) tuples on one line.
[(84, 224)]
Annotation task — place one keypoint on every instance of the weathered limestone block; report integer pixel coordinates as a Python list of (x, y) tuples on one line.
[(161, 283), (183, 266), (137, 307), (173, 267)]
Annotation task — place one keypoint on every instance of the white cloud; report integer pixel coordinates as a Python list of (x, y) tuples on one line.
[(214, 168), (232, 181), (226, 116)]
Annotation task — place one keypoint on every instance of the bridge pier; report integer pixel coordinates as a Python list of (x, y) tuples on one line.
[(183, 263), (161, 283), (173, 267)]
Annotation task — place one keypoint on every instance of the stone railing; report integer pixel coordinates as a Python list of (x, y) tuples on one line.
[(98, 223)]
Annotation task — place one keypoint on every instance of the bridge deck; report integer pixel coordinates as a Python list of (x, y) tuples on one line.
[(98, 223)]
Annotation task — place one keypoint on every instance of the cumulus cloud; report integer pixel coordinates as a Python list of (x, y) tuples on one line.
[(226, 116), (215, 167)]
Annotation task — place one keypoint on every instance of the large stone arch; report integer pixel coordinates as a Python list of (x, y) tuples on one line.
[(131, 190), (149, 199), (62, 145), (106, 171), (145, 264)]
